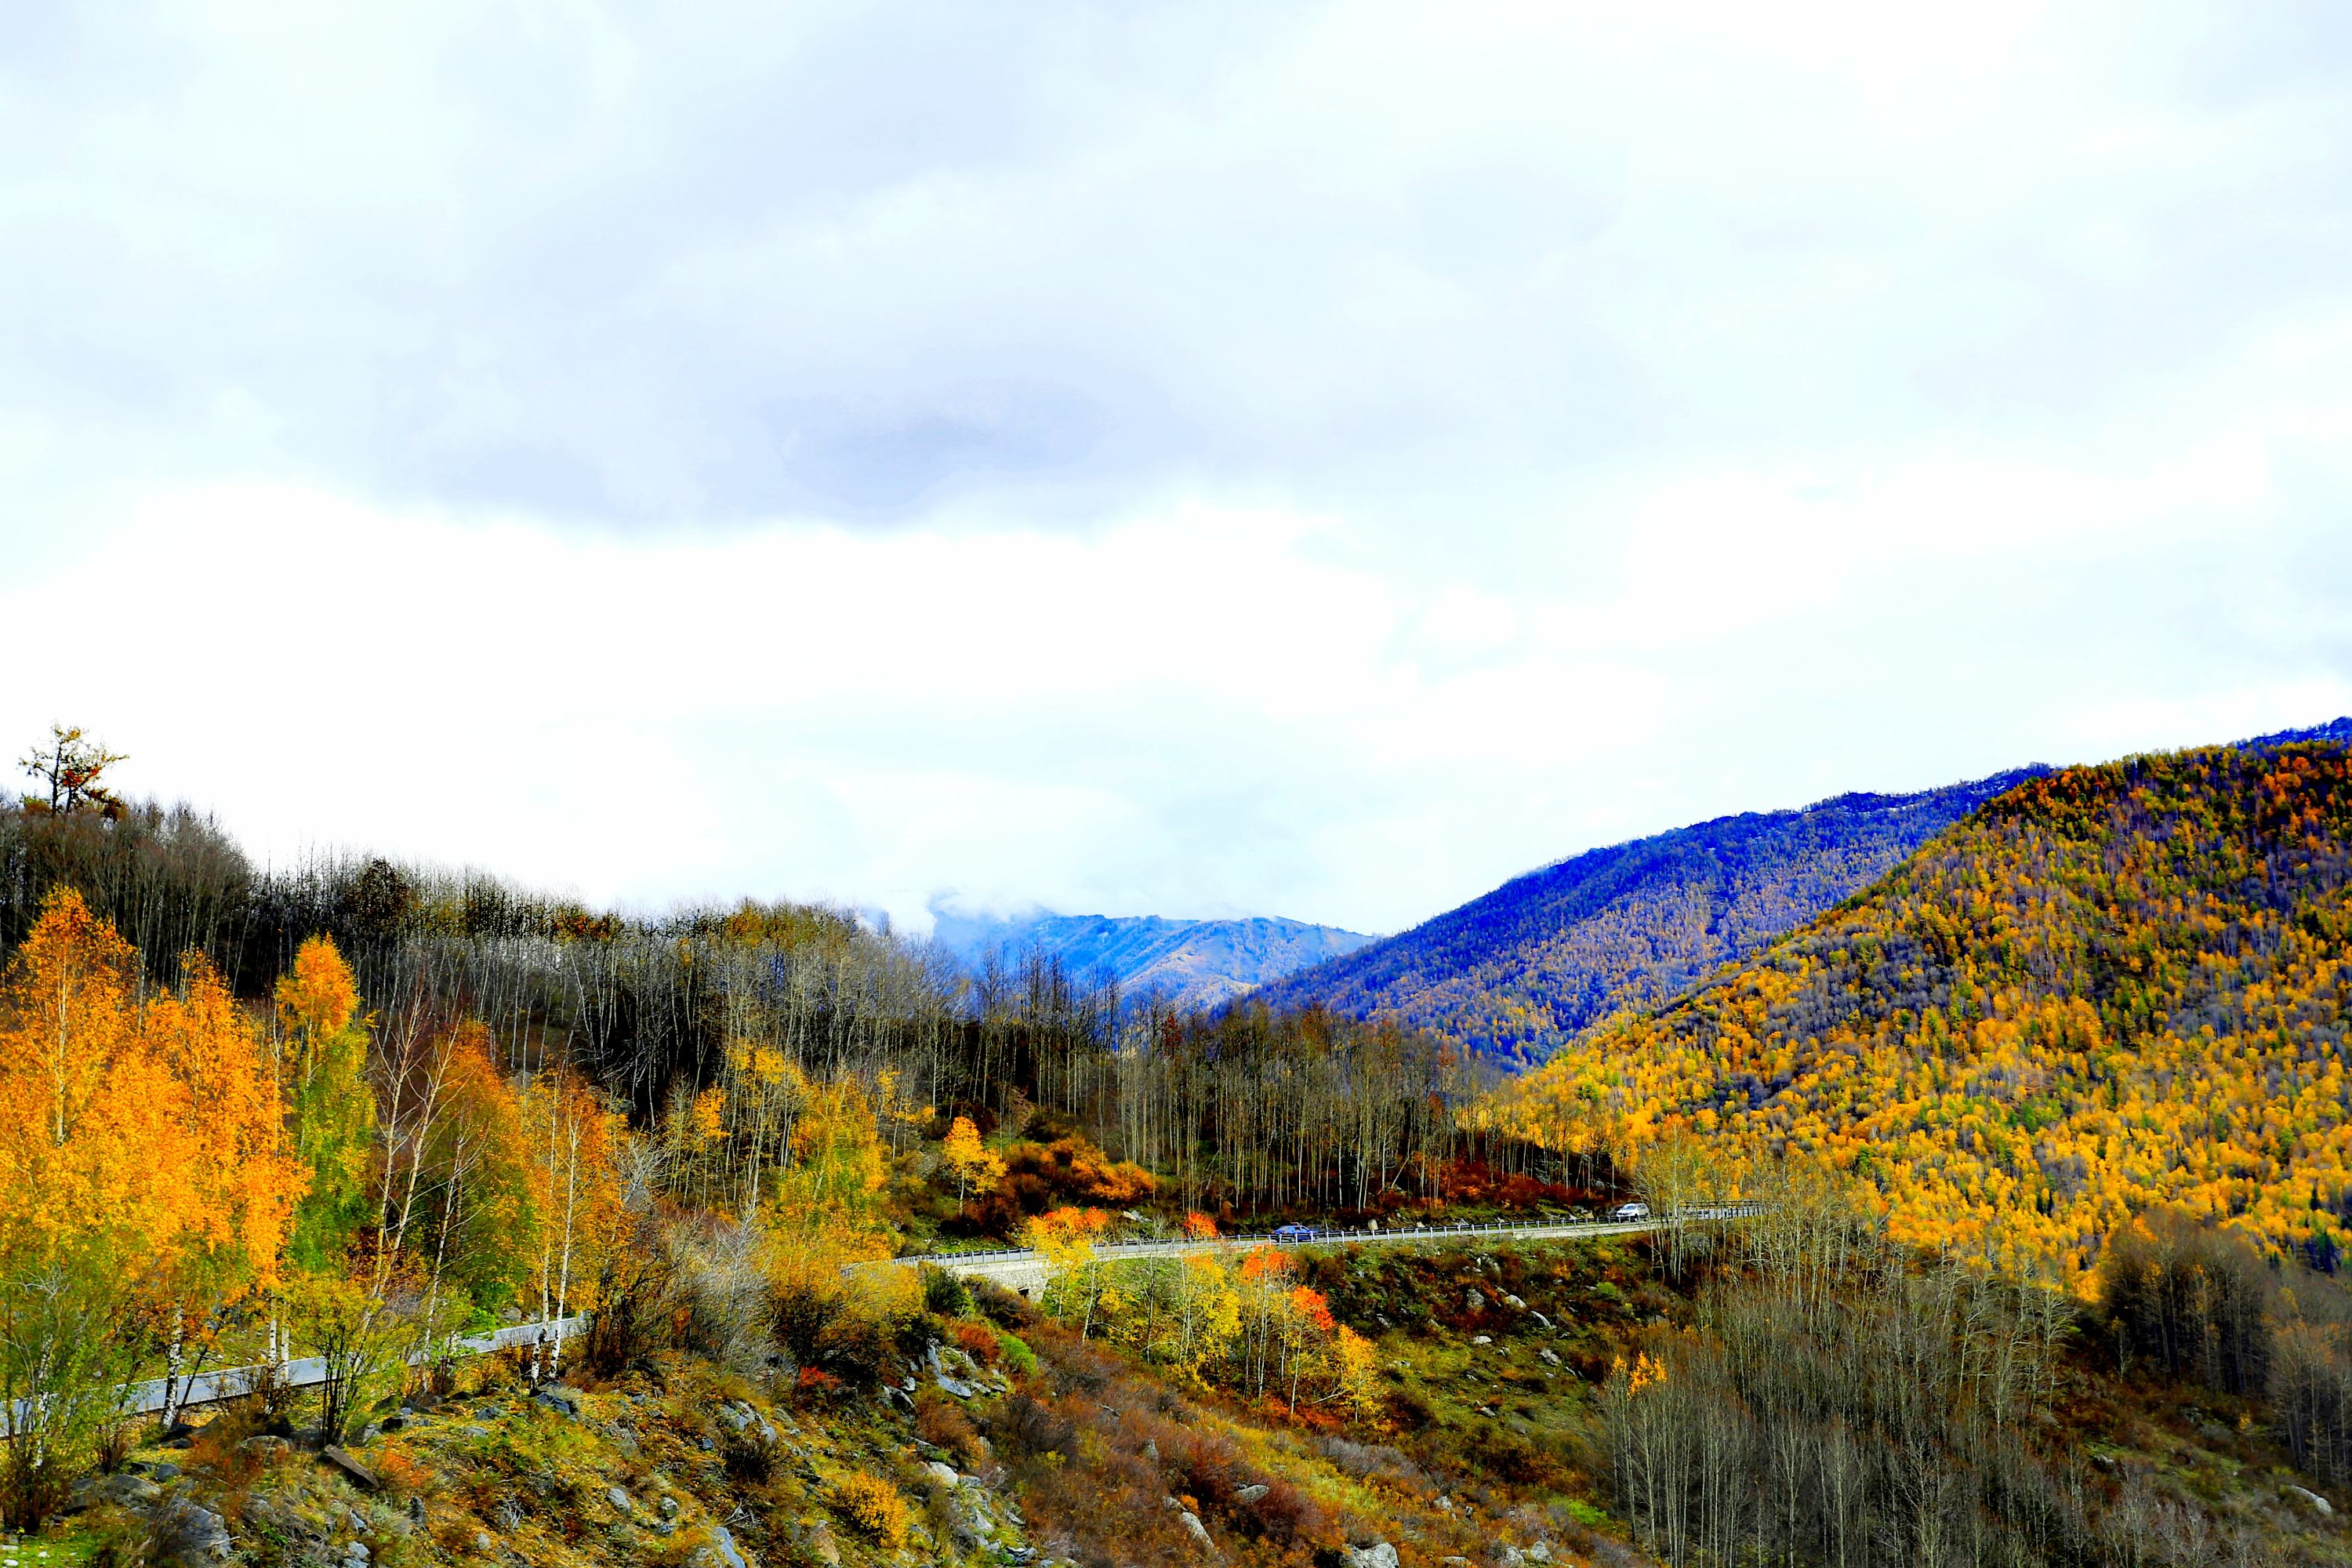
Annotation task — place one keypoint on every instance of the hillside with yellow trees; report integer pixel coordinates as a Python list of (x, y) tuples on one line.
[(2112, 989)]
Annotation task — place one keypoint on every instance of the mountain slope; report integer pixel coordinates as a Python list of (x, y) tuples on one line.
[(1197, 962), (2113, 988), (2337, 730), (1517, 971)]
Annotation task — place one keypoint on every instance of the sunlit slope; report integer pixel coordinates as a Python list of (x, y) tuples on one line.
[(1514, 972), (2112, 987)]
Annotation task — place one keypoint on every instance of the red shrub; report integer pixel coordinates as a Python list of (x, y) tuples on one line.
[(1475, 1182)]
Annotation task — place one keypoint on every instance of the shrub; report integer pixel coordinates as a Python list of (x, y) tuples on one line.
[(944, 1294), (845, 1319), (1016, 1353), (217, 1449), (635, 1314), (814, 1386), (1209, 1470), (750, 1459), (978, 1340), (400, 1472), (1048, 1125), (119, 1538), (1282, 1516), (1367, 1461), (856, 1348), (1517, 1460), (265, 1391), (1069, 1170), (61, 1354), (717, 1301), (938, 1420), (873, 1507), (1031, 1427), (1408, 1411), (1001, 1305)]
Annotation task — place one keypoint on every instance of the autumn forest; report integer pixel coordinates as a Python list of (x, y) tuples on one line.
[(2051, 1111)]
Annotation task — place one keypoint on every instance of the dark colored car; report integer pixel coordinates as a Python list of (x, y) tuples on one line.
[(1296, 1233)]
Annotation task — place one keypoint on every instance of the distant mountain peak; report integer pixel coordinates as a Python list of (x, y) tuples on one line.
[(1196, 962)]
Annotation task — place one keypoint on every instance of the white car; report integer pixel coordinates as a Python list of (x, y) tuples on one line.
[(1631, 1211)]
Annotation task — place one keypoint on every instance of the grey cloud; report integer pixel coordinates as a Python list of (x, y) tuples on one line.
[(873, 456), (866, 263)]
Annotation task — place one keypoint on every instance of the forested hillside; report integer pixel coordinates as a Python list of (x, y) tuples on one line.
[(2111, 989), (1250, 1108), (1193, 964), (346, 1114), (1513, 974)]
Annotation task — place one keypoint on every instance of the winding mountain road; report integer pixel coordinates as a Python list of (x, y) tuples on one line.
[(1019, 1270), (1024, 1270)]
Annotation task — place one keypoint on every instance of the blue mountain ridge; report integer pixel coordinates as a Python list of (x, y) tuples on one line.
[(1513, 973), (1516, 971), (1194, 963)]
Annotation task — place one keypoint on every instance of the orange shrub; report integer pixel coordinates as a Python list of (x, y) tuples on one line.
[(400, 1472), (978, 1340)]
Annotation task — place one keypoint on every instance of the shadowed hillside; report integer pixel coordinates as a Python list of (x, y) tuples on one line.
[(1514, 973)]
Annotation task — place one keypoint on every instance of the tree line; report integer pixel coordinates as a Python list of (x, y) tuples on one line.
[(1251, 1107)]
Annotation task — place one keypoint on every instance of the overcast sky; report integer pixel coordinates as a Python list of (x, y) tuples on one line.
[(1149, 459)]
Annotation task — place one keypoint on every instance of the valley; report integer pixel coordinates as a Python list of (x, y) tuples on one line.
[(1989, 1211)]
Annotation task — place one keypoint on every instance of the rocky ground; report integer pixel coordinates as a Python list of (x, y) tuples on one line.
[(680, 1463), (977, 1451), (1000, 1440)]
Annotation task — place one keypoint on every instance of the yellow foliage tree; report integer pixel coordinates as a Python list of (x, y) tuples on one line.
[(152, 1130), (574, 1140), (977, 1167), (323, 1070), (142, 1158), (1064, 1237)]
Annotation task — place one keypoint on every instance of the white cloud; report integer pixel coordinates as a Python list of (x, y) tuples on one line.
[(1305, 460)]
